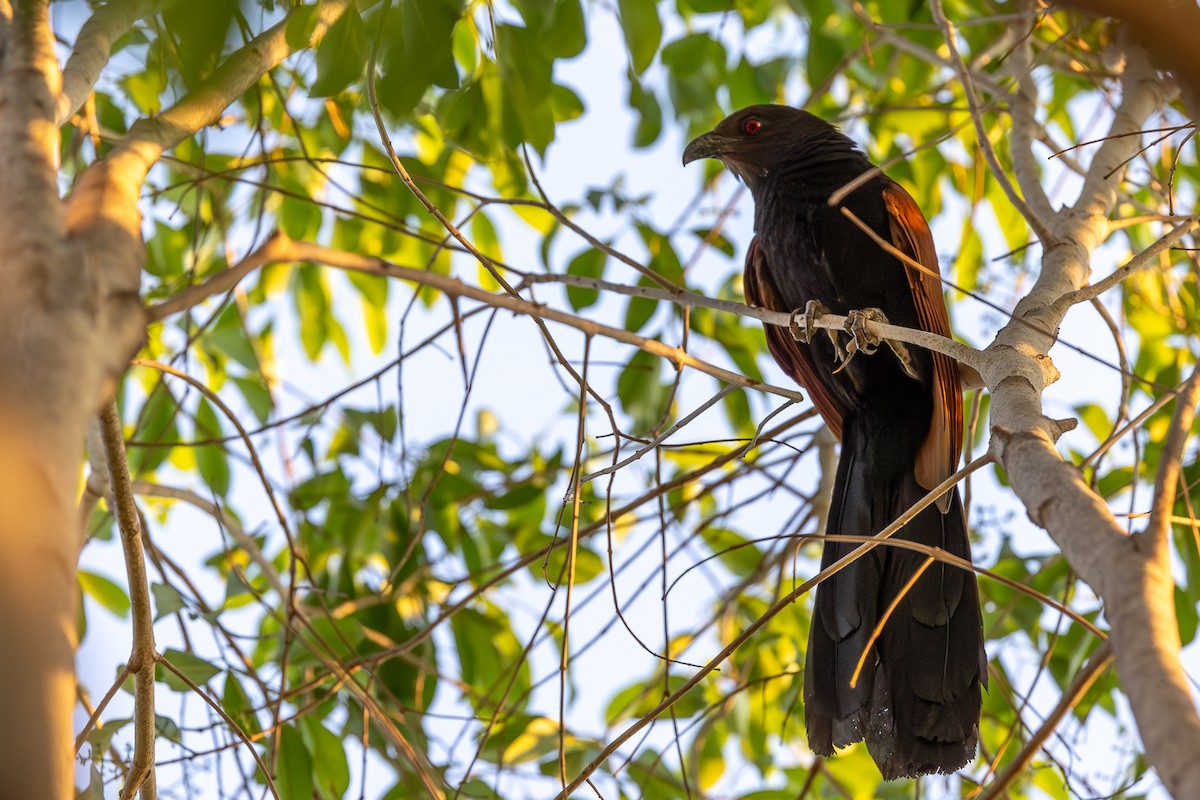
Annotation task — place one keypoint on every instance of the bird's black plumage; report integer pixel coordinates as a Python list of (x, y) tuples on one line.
[(917, 700)]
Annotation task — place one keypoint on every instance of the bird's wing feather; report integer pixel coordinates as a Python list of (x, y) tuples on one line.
[(794, 357), (939, 454)]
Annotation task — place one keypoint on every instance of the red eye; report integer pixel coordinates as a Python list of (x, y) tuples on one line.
[(752, 126)]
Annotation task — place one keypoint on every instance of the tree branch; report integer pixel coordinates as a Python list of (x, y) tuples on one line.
[(1134, 582), (1039, 228), (1143, 93), (1141, 260), (142, 655), (103, 220), (92, 49), (1170, 464), (281, 249), (1070, 698), (1025, 129)]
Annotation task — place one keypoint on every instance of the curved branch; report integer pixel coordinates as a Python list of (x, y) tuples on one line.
[(1039, 228), (92, 49), (279, 248), (1070, 698), (142, 655)]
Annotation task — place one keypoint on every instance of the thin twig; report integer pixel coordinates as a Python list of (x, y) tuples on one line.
[(142, 654), (1131, 266), (1038, 227), (1070, 698), (1170, 463), (751, 629)]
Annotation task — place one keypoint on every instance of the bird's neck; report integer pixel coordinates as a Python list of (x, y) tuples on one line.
[(811, 172)]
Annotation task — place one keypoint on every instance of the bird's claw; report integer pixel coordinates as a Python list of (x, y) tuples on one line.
[(861, 339), (813, 310)]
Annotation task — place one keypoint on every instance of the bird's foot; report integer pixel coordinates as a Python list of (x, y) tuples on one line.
[(861, 339), (813, 310), (802, 323)]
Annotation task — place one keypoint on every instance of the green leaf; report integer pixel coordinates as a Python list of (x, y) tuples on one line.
[(565, 104), (566, 33), (157, 422), (294, 779), (525, 80), (167, 728), (302, 21), (229, 335), (641, 392), (341, 55), (105, 592), (373, 291), (310, 293), (642, 29), (588, 264), (166, 600), (331, 771), (483, 232), (428, 25), (211, 458), (197, 670), (199, 31), (650, 114), (238, 706), (254, 391)]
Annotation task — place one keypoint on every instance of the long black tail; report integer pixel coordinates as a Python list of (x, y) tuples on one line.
[(916, 700)]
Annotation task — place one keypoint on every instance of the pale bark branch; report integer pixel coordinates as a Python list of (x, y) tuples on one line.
[(281, 249), (1134, 582), (1143, 93), (1026, 129), (103, 219), (1139, 261), (92, 49), (148, 138), (1039, 227), (141, 658)]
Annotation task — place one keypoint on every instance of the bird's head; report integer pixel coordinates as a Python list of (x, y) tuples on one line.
[(752, 141)]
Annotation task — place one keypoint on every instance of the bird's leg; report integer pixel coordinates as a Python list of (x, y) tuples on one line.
[(862, 339), (801, 326)]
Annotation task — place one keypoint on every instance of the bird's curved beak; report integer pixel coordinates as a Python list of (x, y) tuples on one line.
[(706, 145)]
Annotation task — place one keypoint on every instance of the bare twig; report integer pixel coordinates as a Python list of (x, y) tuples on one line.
[(758, 623), (1170, 464), (1070, 698), (1131, 266), (141, 657), (1036, 224)]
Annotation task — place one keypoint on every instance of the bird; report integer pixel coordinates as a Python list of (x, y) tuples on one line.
[(897, 410)]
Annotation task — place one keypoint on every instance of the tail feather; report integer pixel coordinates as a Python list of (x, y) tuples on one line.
[(916, 701)]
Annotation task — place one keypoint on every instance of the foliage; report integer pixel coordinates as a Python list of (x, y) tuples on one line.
[(383, 479)]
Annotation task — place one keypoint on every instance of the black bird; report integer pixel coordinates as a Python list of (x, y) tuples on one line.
[(898, 415)]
